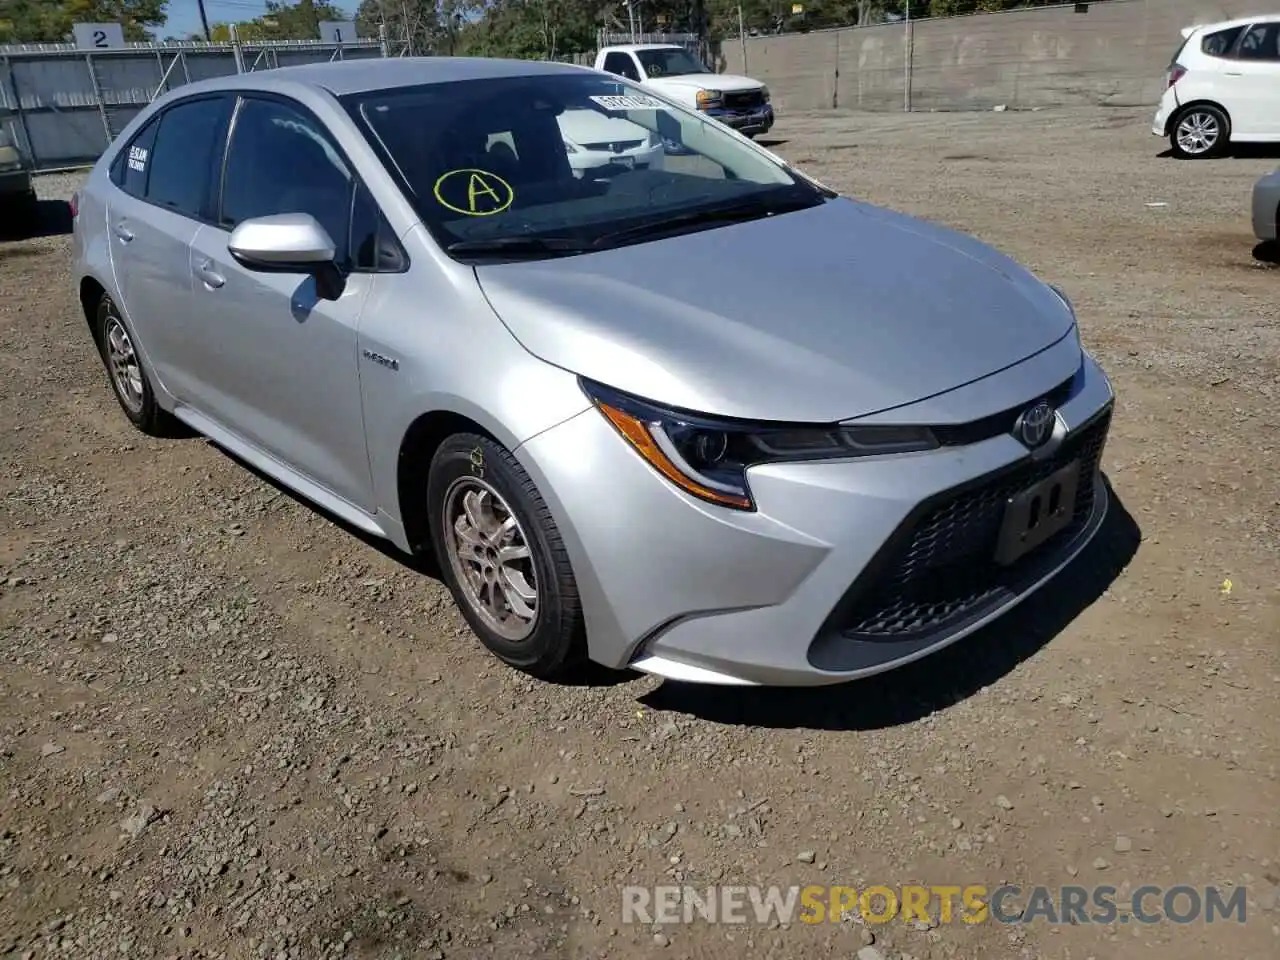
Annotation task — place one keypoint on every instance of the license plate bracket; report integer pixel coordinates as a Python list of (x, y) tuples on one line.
[(1036, 513)]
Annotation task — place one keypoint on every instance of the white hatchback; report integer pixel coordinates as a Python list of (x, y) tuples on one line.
[(1223, 87)]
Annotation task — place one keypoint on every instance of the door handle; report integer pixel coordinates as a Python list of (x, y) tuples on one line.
[(123, 233), (210, 276), (1232, 73)]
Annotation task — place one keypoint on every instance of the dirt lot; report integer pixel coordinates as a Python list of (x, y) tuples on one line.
[(230, 728)]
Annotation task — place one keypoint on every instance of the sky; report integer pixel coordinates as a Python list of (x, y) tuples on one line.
[(184, 15)]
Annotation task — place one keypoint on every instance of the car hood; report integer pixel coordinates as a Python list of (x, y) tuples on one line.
[(822, 314), (726, 82)]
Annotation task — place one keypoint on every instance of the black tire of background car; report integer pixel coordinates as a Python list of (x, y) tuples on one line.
[(151, 419), (1218, 148), (557, 646)]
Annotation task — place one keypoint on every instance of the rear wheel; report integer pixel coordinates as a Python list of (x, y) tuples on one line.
[(128, 378), (503, 559), (1199, 132)]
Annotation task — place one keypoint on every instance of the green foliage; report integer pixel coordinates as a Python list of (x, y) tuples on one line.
[(49, 21), (282, 21)]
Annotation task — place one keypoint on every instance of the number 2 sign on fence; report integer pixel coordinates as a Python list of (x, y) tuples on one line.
[(98, 36)]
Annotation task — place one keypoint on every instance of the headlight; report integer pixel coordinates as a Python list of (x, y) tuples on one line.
[(1066, 302), (709, 98), (764, 93), (708, 457), (569, 147)]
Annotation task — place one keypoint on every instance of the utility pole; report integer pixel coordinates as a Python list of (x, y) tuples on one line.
[(908, 41), (204, 20), (742, 35)]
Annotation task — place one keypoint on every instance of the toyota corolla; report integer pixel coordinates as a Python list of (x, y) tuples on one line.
[(708, 419)]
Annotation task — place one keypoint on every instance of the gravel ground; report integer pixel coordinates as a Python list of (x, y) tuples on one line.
[(229, 728)]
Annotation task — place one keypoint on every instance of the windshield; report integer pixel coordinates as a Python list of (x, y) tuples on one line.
[(669, 62), (577, 158)]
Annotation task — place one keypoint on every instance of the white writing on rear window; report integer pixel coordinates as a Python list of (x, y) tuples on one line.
[(630, 102)]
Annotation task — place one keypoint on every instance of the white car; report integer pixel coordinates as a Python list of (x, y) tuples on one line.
[(1223, 87), (598, 143)]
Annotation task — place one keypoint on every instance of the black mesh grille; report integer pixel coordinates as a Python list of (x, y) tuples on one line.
[(939, 569), (745, 100)]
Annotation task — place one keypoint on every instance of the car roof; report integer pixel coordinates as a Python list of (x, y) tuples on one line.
[(343, 77), (1225, 24), (643, 46)]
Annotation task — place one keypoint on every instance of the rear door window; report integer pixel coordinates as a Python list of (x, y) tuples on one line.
[(1262, 42), (1220, 42)]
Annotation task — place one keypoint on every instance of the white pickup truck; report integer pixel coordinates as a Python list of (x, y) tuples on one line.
[(739, 102)]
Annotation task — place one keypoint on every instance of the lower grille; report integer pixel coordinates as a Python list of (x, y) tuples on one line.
[(614, 146), (746, 100), (938, 570)]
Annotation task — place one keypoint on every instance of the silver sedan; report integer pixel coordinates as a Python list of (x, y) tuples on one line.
[(710, 420), (1266, 217)]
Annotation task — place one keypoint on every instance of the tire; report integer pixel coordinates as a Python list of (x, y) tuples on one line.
[(473, 472), (126, 374), (1199, 132)]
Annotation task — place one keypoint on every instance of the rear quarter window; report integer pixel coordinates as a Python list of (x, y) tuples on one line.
[(1220, 42), (132, 164)]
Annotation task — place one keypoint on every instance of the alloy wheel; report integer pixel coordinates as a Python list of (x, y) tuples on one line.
[(1198, 132), (122, 363), (491, 560)]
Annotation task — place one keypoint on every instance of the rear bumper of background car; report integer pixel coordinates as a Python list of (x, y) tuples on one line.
[(1168, 104), (15, 183), (640, 158), (846, 569)]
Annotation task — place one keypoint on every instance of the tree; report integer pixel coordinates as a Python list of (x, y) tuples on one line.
[(281, 21), (50, 21)]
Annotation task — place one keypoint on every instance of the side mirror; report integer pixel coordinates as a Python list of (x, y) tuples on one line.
[(289, 243)]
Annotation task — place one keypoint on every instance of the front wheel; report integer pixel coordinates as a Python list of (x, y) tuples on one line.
[(1199, 132), (503, 559)]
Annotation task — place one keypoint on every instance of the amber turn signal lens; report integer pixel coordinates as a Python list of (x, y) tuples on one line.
[(638, 435)]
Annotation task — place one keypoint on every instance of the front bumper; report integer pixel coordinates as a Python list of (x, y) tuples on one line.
[(847, 569), (754, 121)]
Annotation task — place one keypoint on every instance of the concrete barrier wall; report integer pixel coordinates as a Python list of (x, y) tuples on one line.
[(1113, 54)]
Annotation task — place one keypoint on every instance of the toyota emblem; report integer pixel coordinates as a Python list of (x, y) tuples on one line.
[(1035, 425)]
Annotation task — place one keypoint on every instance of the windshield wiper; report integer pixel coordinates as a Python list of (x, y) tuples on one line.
[(751, 209), (519, 246)]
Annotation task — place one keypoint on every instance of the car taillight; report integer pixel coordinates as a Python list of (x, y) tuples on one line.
[(1176, 73), (74, 204)]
